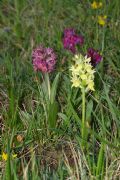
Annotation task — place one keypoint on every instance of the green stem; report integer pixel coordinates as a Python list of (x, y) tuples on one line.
[(83, 114), (102, 49), (47, 84)]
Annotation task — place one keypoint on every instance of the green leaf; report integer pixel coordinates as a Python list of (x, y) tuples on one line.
[(8, 164), (18, 29), (100, 162), (46, 86), (8, 169), (74, 113), (89, 109), (63, 116), (110, 104), (52, 114), (54, 88)]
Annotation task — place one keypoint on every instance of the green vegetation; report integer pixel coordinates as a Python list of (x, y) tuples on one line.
[(40, 120)]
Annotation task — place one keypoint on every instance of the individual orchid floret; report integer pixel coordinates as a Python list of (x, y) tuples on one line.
[(82, 73), (43, 59)]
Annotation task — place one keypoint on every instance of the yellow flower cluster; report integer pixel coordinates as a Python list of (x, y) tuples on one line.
[(96, 5), (5, 156), (102, 20), (82, 73)]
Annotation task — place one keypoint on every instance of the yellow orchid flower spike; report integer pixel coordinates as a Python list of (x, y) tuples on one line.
[(82, 73)]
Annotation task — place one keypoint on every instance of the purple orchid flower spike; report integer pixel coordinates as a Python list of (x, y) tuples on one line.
[(44, 59)]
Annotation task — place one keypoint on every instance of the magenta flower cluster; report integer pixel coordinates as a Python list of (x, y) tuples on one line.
[(95, 56), (71, 40), (44, 59)]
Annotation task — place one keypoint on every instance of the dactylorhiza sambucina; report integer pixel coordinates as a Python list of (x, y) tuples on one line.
[(71, 40), (95, 56), (82, 73), (82, 77), (43, 59)]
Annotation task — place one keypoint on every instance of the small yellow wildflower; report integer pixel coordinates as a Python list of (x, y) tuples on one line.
[(102, 20), (4, 156), (82, 73), (96, 5)]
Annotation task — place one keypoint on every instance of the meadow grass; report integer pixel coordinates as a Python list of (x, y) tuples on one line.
[(44, 131)]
